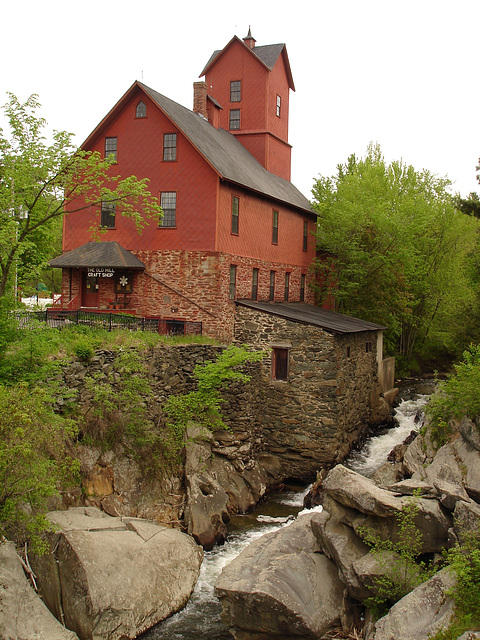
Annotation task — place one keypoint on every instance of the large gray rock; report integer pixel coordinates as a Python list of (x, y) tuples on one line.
[(421, 613), (340, 543), (23, 615), (112, 578), (280, 586), (215, 488), (457, 462), (357, 492), (360, 504), (374, 568)]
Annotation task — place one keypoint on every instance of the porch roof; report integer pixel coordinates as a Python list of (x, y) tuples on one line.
[(98, 254), (330, 321)]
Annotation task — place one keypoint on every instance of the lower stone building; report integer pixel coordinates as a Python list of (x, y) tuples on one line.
[(322, 376)]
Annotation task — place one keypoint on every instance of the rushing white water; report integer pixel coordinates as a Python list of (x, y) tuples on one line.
[(200, 619), (408, 418)]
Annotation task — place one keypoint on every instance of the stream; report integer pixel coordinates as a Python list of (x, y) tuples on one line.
[(200, 619)]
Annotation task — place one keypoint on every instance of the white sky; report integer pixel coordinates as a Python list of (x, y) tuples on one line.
[(403, 74)]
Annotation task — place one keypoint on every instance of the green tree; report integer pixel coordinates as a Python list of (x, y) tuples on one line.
[(34, 459), (39, 181), (396, 248)]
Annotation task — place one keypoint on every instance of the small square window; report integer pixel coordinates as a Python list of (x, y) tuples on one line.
[(235, 212), (234, 119), (169, 147), (123, 282), (168, 202), (235, 91), (108, 215), (111, 149)]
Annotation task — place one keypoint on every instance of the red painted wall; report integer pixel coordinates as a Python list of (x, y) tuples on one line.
[(259, 90), (140, 153), (255, 229)]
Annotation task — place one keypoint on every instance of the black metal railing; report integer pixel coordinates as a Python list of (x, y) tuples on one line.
[(60, 318)]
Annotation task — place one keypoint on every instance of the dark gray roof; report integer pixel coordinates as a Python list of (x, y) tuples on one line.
[(267, 53), (309, 314), (98, 254), (228, 156)]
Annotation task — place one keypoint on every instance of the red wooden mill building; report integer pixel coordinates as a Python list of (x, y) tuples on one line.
[(234, 226)]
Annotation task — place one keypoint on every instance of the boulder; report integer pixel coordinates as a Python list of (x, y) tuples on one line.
[(340, 543), (418, 454), (421, 613), (215, 489), (115, 578), (23, 615), (280, 586), (372, 569), (466, 518), (470, 432), (375, 508)]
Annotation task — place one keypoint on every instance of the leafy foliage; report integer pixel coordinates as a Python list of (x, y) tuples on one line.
[(395, 249), (402, 571), (34, 459), (38, 181), (457, 396), (464, 559), (204, 404)]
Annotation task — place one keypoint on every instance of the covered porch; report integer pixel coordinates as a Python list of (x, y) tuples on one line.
[(100, 276)]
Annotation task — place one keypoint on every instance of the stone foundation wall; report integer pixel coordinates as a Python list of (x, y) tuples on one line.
[(311, 419)]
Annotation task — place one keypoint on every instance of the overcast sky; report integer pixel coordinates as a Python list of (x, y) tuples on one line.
[(403, 74)]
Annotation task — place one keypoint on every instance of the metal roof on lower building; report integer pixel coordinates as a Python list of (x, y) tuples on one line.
[(316, 316), (98, 254)]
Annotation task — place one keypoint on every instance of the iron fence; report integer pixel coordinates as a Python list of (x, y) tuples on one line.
[(60, 318)]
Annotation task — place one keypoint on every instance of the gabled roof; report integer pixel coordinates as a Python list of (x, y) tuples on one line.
[(225, 154), (98, 254), (267, 55), (309, 314)]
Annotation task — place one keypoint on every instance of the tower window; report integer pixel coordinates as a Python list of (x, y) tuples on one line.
[(235, 91), (234, 119), (305, 236), (279, 105)]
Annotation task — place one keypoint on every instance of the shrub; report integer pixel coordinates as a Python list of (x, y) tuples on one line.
[(456, 397), (401, 570), (34, 460), (203, 405)]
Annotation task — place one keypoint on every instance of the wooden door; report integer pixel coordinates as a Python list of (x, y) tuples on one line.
[(89, 290)]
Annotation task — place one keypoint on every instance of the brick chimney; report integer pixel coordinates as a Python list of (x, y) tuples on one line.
[(200, 98), (249, 40)]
